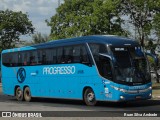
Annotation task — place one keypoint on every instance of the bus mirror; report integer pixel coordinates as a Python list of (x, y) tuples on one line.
[(105, 55)]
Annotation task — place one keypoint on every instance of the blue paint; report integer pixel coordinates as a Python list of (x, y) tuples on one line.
[(59, 81)]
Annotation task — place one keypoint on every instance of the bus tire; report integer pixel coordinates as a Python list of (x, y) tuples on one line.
[(89, 97), (27, 94), (19, 94)]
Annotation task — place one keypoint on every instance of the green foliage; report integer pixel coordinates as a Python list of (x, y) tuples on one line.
[(151, 61), (86, 17), (12, 25), (39, 38), (156, 25), (150, 45), (141, 14)]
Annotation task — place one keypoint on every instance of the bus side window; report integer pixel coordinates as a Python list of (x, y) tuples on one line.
[(43, 57), (76, 54), (83, 55), (68, 54), (33, 58), (39, 57), (60, 58), (50, 56), (15, 59), (5, 59), (20, 59), (54, 54), (25, 61), (9, 59)]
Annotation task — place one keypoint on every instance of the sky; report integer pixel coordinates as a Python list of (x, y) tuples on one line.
[(38, 11)]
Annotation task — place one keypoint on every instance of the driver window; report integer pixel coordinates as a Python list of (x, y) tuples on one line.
[(105, 69), (102, 62)]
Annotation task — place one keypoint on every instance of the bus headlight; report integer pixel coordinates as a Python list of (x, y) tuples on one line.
[(122, 90), (132, 91), (119, 89), (122, 97)]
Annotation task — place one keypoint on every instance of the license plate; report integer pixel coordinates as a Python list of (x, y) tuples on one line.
[(138, 97)]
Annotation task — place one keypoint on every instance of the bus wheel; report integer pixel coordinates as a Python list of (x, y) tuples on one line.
[(19, 94), (27, 94), (89, 97)]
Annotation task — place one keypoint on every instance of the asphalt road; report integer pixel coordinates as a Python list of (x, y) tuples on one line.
[(8, 103), (78, 109)]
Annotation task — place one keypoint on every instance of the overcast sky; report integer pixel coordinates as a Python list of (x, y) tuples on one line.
[(38, 11)]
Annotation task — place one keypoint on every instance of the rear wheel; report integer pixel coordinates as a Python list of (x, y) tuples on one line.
[(89, 97), (19, 94), (27, 94)]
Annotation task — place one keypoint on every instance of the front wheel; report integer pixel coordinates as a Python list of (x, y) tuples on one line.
[(19, 94), (27, 94), (89, 97)]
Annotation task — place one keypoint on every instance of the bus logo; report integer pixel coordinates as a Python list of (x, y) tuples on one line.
[(21, 75)]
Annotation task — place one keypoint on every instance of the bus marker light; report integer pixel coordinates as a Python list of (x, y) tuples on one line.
[(122, 97)]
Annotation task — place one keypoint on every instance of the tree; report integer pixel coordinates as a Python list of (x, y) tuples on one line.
[(150, 44), (141, 14), (156, 25), (12, 25), (39, 38), (86, 17)]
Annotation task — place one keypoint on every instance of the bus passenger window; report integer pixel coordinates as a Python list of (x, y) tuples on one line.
[(43, 57), (60, 58), (32, 60), (54, 56), (25, 59), (20, 63), (15, 59), (68, 54), (76, 54), (84, 55), (10, 61)]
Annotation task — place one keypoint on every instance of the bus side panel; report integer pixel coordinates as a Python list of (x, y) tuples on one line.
[(55, 85), (66, 85), (94, 82), (8, 78)]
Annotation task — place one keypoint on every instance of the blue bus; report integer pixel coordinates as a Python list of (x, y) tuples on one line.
[(89, 68)]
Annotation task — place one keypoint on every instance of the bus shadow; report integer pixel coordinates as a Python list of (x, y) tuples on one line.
[(131, 104), (58, 101), (66, 102)]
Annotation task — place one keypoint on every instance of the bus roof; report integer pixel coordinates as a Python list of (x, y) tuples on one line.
[(107, 39)]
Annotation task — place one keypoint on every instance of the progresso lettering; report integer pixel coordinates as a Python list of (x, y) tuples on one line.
[(59, 70)]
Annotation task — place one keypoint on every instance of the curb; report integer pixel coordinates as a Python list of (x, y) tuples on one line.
[(156, 97)]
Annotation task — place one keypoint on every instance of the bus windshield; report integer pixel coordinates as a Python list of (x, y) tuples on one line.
[(130, 65)]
